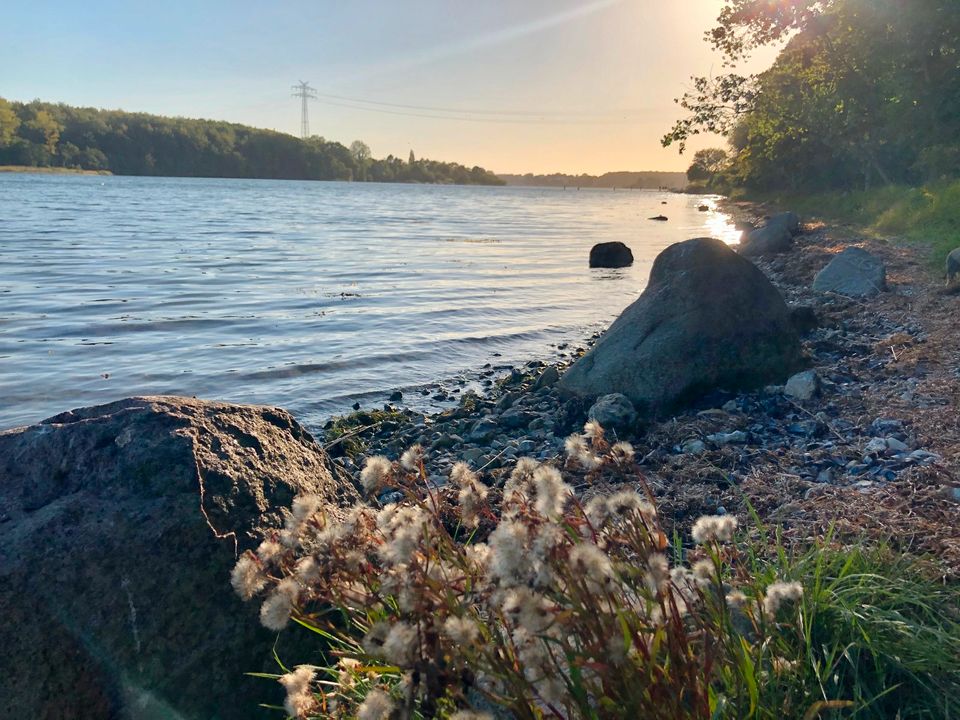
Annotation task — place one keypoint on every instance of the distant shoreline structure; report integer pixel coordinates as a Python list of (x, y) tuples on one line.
[(625, 180)]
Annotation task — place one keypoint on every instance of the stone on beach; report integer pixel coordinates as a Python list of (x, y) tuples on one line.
[(854, 273), (803, 386), (120, 528), (610, 255), (707, 319), (775, 236), (953, 267), (614, 411)]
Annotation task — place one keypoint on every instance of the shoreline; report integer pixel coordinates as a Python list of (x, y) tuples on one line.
[(30, 169), (887, 367)]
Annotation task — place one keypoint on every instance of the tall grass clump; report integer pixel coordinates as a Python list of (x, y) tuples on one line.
[(471, 602), (929, 215)]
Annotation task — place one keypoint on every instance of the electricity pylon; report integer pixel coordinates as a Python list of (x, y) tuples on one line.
[(305, 93)]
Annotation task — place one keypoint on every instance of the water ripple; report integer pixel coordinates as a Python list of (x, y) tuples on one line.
[(305, 295)]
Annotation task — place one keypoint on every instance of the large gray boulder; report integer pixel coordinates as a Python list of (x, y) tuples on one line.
[(708, 319), (854, 273), (610, 255), (776, 236), (119, 526)]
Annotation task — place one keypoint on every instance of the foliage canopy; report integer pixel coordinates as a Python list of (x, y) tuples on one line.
[(39, 134), (862, 92)]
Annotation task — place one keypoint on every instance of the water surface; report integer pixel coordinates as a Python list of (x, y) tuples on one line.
[(306, 295)]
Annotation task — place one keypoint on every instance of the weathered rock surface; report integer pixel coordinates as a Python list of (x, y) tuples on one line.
[(119, 526), (767, 240), (803, 386), (790, 221), (708, 319), (776, 236), (854, 273), (610, 255), (953, 266), (613, 411)]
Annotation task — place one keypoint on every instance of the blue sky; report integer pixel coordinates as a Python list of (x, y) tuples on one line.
[(582, 85)]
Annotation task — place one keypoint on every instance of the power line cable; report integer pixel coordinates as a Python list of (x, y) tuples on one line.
[(468, 111), (464, 118)]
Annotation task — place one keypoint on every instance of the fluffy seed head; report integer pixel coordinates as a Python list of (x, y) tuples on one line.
[(375, 474), (622, 453), (593, 431), (275, 611), (412, 458), (714, 528), (401, 644), (779, 594), (377, 705), (247, 576), (593, 564), (552, 492), (462, 630), (300, 701)]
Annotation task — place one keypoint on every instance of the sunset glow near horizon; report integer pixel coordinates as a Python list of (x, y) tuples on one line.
[(540, 86)]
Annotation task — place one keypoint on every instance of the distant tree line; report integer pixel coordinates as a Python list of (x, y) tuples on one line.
[(39, 134), (863, 93), (629, 180)]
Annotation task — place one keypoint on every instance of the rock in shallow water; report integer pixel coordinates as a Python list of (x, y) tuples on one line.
[(610, 255), (707, 319), (120, 533)]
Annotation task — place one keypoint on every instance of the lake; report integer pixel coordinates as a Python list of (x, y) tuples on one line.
[(307, 295)]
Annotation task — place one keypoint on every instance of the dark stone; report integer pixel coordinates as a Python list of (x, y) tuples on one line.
[(804, 319), (548, 377), (613, 411), (768, 240), (610, 255), (775, 236), (789, 221), (396, 396), (708, 319), (123, 524), (515, 418), (659, 218), (703, 208)]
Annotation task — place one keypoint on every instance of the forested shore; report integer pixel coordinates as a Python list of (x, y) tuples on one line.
[(51, 135)]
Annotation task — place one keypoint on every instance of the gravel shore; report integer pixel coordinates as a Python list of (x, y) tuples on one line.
[(867, 441)]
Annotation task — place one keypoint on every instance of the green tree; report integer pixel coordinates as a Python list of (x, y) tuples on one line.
[(43, 129), (860, 93), (707, 163), (9, 122)]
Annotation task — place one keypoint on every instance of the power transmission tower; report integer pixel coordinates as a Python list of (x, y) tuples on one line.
[(305, 93)]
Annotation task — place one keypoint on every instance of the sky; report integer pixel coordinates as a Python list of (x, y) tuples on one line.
[(512, 85)]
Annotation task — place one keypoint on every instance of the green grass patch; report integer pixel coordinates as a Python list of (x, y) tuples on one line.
[(928, 215), (878, 628), (348, 434)]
